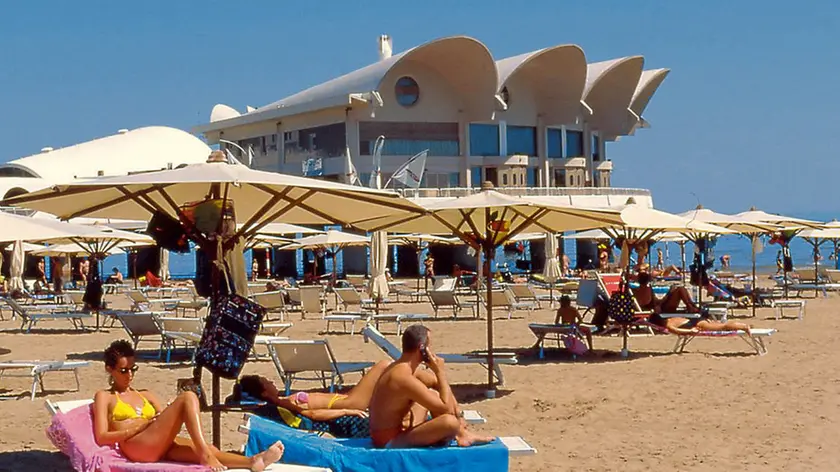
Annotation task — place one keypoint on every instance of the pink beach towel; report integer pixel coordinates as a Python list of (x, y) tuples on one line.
[(72, 434)]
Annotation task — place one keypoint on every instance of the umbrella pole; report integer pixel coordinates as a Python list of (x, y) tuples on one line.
[(479, 275), (784, 268), (816, 269), (491, 391), (754, 288)]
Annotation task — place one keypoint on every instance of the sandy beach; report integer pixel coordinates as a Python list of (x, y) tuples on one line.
[(716, 407)]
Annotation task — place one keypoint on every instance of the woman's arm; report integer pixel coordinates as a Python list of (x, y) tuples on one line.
[(101, 433)]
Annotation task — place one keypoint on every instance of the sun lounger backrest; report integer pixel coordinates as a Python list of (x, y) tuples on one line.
[(500, 298), (137, 296), (610, 282), (587, 293), (523, 291), (302, 356), (182, 325), (445, 283), (372, 334), (441, 298), (65, 406), (139, 324), (348, 295), (310, 298), (833, 276), (270, 300)]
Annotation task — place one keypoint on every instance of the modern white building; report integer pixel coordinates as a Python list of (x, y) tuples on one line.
[(129, 151), (537, 120)]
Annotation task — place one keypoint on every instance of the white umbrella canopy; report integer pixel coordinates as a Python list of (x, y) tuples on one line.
[(527, 237), (332, 238), (378, 289), (786, 222), (70, 249), (24, 228), (408, 239), (259, 197), (641, 223), (279, 229), (736, 223)]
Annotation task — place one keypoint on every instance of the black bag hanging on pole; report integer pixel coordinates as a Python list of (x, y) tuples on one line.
[(229, 332)]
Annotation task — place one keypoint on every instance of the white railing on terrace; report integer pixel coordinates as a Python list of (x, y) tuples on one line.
[(17, 211), (528, 191)]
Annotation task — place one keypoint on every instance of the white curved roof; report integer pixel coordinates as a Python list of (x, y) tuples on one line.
[(649, 82), (465, 62), (610, 86), (142, 149), (557, 76)]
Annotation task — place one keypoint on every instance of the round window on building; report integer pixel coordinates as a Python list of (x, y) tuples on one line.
[(506, 96), (407, 90)]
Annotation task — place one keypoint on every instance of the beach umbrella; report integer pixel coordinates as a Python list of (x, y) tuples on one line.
[(281, 229), (378, 288), (70, 249), (417, 241), (16, 267), (256, 197), (551, 271), (816, 238), (788, 226), (751, 226), (333, 241), (488, 219)]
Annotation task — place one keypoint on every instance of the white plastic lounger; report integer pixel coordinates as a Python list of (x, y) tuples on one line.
[(66, 406), (293, 357), (780, 305), (30, 315), (394, 352), (756, 341), (37, 369)]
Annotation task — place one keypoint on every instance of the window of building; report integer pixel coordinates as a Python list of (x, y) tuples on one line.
[(533, 177), (504, 179), (15, 172), (322, 141), (554, 148), (505, 96), (491, 174), (559, 178), (409, 138), (522, 140), (454, 179), (475, 177), (484, 140), (574, 143), (596, 148), (407, 91), (440, 180)]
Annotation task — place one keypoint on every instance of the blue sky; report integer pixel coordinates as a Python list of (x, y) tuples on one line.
[(748, 116)]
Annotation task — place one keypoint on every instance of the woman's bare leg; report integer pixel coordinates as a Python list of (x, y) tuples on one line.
[(672, 300), (183, 451), (153, 442), (358, 398), (707, 325)]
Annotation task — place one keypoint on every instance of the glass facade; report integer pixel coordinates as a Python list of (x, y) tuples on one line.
[(484, 140), (554, 148), (521, 140), (533, 177), (410, 147), (596, 148), (574, 143), (475, 177)]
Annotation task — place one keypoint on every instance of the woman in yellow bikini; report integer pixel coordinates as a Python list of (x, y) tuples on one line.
[(146, 431)]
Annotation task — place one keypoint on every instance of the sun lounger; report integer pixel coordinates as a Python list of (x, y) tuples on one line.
[(273, 302), (398, 318), (394, 353), (346, 455), (449, 299), (557, 332), (780, 305), (142, 326), (141, 302), (524, 293), (755, 341), (186, 331), (348, 297), (30, 315), (292, 358), (71, 431), (37, 369)]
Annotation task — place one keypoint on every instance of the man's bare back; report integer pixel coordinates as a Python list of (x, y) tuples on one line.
[(390, 403)]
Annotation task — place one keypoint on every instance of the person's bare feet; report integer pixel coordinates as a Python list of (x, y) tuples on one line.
[(466, 439), (212, 462), (271, 455)]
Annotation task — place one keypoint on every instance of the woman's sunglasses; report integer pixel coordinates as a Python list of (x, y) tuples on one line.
[(133, 369)]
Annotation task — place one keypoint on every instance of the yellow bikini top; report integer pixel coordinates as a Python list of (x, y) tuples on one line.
[(124, 411)]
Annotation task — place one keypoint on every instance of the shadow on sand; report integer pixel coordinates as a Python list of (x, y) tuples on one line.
[(34, 460)]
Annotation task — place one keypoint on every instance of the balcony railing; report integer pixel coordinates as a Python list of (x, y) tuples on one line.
[(528, 191)]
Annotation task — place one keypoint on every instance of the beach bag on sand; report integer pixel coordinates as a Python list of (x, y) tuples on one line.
[(620, 308), (575, 345)]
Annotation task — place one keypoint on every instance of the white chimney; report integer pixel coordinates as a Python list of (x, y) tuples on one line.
[(122, 131), (386, 47), (46, 149)]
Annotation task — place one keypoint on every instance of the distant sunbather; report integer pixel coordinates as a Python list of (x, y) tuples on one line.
[(667, 304), (569, 315), (678, 325), (146, 431)]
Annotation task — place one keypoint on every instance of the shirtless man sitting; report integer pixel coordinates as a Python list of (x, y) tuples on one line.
[(405, 395)]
